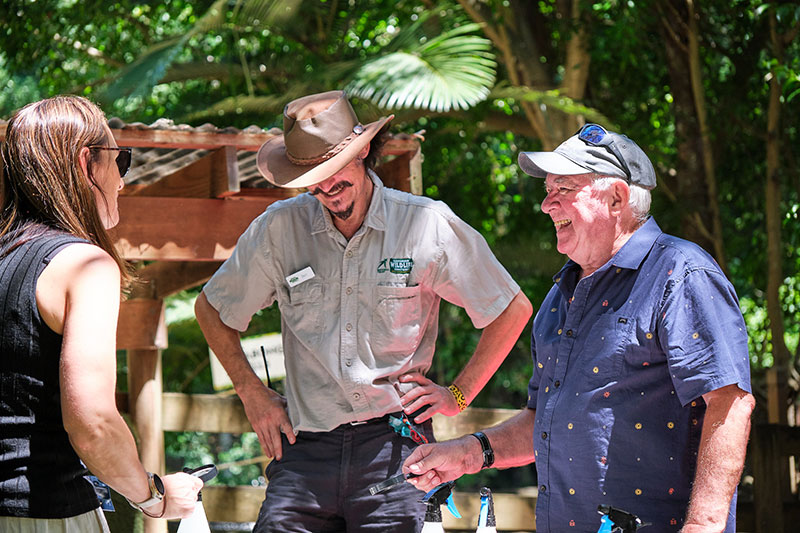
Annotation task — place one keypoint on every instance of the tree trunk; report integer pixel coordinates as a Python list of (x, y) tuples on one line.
[(516, 28), (695, 160), (773, 220)]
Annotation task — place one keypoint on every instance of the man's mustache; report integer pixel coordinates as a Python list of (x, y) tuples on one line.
[(336, 189)]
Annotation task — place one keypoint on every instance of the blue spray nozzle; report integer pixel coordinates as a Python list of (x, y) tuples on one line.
[(486, 518), (614, 519)]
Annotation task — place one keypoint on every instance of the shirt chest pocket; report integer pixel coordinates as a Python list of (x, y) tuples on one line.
[(605, 347), (302, 312), (396, 321)]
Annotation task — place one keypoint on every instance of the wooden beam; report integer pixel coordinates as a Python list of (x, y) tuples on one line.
[(225, 414), (214, 175), (514, 512), (182, 229), (191, 139), (470, 420), (163, 278), (204, 412), (203, 140), (141, 325)]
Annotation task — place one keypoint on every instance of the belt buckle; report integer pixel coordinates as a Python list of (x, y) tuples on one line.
[(358, 422)]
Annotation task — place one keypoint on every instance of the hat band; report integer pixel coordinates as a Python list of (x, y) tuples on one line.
[(306, 161)]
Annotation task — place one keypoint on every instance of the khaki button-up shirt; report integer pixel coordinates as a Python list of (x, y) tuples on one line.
[(369, 312)]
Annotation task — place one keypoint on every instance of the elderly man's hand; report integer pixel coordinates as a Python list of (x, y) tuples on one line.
[(438, 398), (444, 461)]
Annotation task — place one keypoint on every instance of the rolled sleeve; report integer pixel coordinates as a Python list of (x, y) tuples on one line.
[(704, 336), (242, 286)]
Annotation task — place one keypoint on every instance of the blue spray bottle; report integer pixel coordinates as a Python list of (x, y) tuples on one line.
[(486, 519)]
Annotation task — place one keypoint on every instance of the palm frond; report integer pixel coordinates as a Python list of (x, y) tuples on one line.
[(454, 70), (552, 99), (139, 77), (247, 13), (269, 107)]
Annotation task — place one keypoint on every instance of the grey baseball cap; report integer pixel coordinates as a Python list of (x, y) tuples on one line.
[(593, 149)]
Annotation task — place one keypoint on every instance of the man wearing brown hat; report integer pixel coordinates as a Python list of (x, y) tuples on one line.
[(640, 395), (358, 271)]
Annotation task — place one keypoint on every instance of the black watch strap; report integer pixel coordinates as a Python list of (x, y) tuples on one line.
[(488, 452)]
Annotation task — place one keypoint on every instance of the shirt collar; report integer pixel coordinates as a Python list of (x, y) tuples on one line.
[(376, 214), (630, 256), (638, 246)]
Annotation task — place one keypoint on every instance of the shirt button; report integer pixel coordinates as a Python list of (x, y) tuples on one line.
[(349, 254), (544, 434), (348, 363), (349, 290), (557, 384), (349, 327), (569, 333), (356, 395), (542, 488)]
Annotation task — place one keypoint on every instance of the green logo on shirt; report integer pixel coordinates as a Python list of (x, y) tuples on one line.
[(396, 265)]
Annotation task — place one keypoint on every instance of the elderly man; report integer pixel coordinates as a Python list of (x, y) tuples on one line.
[(640, 394), (358, 271)]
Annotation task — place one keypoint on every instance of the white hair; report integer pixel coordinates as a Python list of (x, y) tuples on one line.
[(639, 200)]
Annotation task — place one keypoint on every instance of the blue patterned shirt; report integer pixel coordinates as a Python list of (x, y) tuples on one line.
[(621, 361)]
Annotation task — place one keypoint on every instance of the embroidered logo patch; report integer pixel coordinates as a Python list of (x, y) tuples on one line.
[(396, 265)]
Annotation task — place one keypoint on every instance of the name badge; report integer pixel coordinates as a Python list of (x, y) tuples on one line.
[(300, 276)]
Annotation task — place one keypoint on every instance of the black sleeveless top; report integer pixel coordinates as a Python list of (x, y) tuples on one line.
[(41, 476)]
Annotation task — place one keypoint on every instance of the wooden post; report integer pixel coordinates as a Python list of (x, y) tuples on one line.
[(767, 489), (144, 346), (144, 386)]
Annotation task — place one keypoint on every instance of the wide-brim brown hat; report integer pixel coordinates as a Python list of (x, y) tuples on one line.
[(321, 135)]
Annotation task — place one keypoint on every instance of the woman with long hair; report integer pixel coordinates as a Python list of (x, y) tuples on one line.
[(60, 281)]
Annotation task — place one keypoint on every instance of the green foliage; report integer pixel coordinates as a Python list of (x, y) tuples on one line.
[(237, 62)]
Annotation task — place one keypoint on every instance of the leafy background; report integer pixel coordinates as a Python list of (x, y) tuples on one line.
[(485, 79)]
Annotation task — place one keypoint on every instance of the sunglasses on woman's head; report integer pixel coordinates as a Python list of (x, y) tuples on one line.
[(123, 159)]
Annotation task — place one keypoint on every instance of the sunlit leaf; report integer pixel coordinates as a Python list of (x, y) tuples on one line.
[(452, 71)]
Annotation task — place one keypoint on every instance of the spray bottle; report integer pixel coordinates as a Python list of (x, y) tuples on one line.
[(614, 520), (486, 518), (198, 522), (433, 512)]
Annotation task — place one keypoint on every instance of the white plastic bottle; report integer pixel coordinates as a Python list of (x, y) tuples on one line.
[(198, 522), (433, 518)]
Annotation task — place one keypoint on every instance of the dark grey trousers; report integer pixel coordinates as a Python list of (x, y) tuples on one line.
[(322, 483)]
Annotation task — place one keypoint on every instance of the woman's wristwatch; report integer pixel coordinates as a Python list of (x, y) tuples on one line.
[(156, 493)]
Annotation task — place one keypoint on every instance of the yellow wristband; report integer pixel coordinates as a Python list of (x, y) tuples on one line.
[(459, 396)]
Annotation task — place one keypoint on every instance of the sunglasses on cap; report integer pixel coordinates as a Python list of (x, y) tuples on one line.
[(596, 135), (123, 159)]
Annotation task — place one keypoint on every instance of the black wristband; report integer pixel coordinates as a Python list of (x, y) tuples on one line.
[(488, 453)]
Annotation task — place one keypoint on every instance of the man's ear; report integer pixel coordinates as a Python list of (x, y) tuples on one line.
[(364, 152), (619, 195), (83, 160)]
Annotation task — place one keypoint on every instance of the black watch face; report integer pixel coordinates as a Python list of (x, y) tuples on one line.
[(158, 483)]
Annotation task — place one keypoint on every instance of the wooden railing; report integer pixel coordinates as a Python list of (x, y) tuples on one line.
[(225, 414), (770, 446)]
